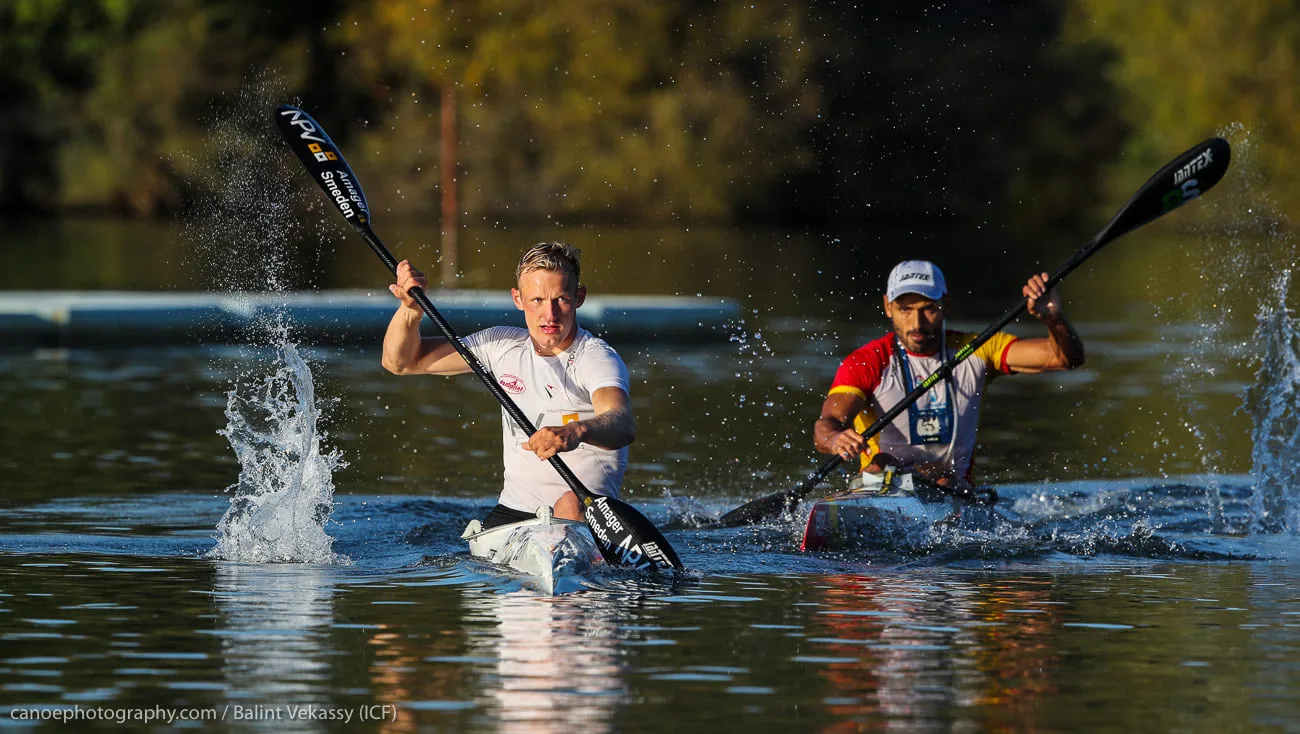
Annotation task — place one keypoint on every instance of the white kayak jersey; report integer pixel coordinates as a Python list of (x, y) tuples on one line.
[(551, 391)]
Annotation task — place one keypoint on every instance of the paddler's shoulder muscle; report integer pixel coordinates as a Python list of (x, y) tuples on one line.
[(860, 372), (993, 352), (490, 344)]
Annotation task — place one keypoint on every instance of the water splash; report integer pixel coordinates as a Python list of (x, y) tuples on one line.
[(1274, 346), (1238, 265), (244, 230), (285, 494), (1271, 402)]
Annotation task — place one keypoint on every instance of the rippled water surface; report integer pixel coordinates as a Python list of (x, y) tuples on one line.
[(1102, 644), (1155, 600)]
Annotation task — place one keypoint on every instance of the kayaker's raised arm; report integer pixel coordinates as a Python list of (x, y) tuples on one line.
[(405, 352), (1061, 350)]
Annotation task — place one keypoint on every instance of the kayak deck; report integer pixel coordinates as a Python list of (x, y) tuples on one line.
[(550, 555)]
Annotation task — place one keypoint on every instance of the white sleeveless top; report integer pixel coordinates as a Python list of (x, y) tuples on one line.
[(551, 391)]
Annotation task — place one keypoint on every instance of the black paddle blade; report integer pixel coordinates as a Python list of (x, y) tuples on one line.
[(757, 510), (325, 163), (1181, 180), (626, 537), (762, 508)]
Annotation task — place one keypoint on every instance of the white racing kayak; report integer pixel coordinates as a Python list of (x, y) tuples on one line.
[(551, 555), (888, 506)]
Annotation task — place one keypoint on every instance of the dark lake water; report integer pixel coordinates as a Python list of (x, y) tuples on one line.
[(1152, 582)]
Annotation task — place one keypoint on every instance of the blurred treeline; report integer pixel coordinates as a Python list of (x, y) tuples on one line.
[(1032, 113)]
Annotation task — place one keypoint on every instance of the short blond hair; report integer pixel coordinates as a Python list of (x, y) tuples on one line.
[(555, 257)]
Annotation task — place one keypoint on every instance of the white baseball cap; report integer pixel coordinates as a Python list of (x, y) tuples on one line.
[(921, 277)]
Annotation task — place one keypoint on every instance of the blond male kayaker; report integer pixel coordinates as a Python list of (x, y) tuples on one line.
[(935, 436), (572, 385)]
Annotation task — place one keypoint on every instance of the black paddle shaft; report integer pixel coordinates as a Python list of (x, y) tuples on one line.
[(624, 536), (1181, 180)]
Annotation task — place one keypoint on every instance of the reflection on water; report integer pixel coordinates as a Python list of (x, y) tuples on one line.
[(1107, 644), (933, 654), (273, 627), (556, 664)]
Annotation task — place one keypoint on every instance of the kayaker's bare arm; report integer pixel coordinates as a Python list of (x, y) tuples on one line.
[(833, 432), (613, 427), (405, 352), (1061, 350)]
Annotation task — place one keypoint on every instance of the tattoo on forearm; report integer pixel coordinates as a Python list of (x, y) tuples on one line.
[(1068, 342), (606, 428)]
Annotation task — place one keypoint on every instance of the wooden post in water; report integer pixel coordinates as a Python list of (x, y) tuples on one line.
[(450, 195)]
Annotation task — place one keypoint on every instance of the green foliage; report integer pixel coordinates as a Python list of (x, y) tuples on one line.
[(595, 108), (1188, 70), (805, 111), (106, 99), (47, 52)]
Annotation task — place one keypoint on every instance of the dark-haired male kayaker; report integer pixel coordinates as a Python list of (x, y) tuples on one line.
[(935, 436)]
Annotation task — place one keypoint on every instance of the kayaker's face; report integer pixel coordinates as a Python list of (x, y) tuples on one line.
[(918, 322), (550, 302)]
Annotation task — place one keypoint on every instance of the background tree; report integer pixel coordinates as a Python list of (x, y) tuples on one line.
[(809, 112), (1185, 71), (105, 100), (964, 112), (601, 109)]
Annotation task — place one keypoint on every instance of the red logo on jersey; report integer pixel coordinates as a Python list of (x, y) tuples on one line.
[(512, 383)]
